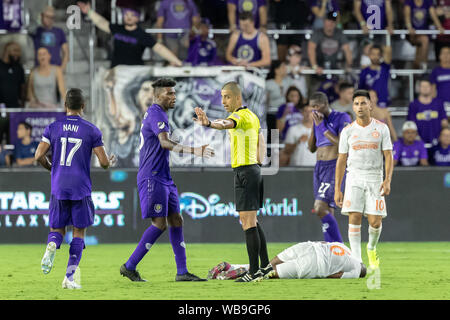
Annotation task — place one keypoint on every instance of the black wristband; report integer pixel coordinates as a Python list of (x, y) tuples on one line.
[(209, 124)]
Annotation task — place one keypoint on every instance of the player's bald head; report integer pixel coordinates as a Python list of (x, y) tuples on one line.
[(233, 87)]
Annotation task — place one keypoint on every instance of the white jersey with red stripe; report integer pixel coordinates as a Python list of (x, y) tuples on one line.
[(365, 146)]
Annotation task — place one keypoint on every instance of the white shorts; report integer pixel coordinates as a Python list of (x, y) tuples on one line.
[(362, 194), (299, 262)]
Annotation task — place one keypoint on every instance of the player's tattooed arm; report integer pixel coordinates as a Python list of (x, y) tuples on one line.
[(41, 157), (389, 168), (201, 151)]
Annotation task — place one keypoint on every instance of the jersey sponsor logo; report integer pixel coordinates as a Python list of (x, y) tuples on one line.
[(364, 145)]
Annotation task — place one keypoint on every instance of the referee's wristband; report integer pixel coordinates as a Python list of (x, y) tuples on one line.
[(209, 124)]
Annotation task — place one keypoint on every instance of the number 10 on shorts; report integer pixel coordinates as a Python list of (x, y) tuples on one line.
[(379, 205)]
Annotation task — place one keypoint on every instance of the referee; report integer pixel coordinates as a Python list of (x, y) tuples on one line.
[(247, 152)]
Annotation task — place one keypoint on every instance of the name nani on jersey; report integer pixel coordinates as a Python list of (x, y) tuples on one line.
[(70, 127)]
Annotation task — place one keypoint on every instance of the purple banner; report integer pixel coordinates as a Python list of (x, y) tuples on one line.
[(38, 120), (11, 15)]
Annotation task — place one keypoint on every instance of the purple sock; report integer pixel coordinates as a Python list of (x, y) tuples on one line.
[(148, 239), (75, 251), (330, 229), (179, 248), (55, 237)]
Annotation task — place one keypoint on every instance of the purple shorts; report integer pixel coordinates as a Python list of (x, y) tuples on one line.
[(158, 199), (324, 177), (79, 213)]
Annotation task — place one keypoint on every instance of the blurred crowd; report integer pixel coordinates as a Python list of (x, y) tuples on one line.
[(296, 66)]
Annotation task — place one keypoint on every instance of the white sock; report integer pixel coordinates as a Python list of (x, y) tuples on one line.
[(354, 237), (374, 236)]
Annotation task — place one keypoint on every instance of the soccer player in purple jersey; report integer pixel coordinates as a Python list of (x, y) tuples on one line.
[(324, 140), (71, 141), (158, 193)]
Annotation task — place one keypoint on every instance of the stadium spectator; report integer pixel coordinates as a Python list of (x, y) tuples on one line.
[(12, 85), (440, 154), (257, 8), (440, 76), (248, 47), (294, 69), (364, 61), (330, 88), (418, 13), (130, 40), (382, 114), (52, 38), (324, 46), (321, 8), (296, 152), (174, 14), (5, 157), (45, 82), (428, 113), (443, 14), (289, 114), (277, 84), (345, 101), (289, 14), (368, 20), (408, 151), (377, 75), (25, 148), (202, 50)]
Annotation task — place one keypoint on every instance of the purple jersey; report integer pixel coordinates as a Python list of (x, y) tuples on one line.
[(409, 155), (153, 159), (247, 49), (440, 156), (335, 122), (248, 5), (428, 118), (71, 141), (293, 116), (370, 10), (177, 14), (377, 80), (441, 78), (420, 15), (52, 39), (201, 52)]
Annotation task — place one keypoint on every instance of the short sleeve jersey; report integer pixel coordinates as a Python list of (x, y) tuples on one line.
[(335, 122), (71, 140), (244, 137), (154, 159), (365, 146)]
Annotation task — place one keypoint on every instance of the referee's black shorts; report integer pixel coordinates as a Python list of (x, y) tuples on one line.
[(248, 188)]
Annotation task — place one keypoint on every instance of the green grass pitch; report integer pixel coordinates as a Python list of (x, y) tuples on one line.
[(408, 271)]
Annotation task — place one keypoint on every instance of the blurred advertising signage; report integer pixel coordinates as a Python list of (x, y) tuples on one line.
[(30, 209), (199, 207)]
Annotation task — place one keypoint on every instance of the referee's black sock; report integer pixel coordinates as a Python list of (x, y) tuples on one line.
[(253, 248), (263, 247)]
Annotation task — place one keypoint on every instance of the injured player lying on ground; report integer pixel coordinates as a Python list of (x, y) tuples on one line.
[(304, 260)]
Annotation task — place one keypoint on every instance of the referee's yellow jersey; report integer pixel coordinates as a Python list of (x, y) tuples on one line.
[(244, 137)]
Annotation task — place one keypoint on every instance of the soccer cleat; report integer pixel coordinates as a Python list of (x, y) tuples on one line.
[(48, 258), (248, 277), (221, 267), (232, 274), (133, 275), (267, 272), (374, 262), (188, 277)]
